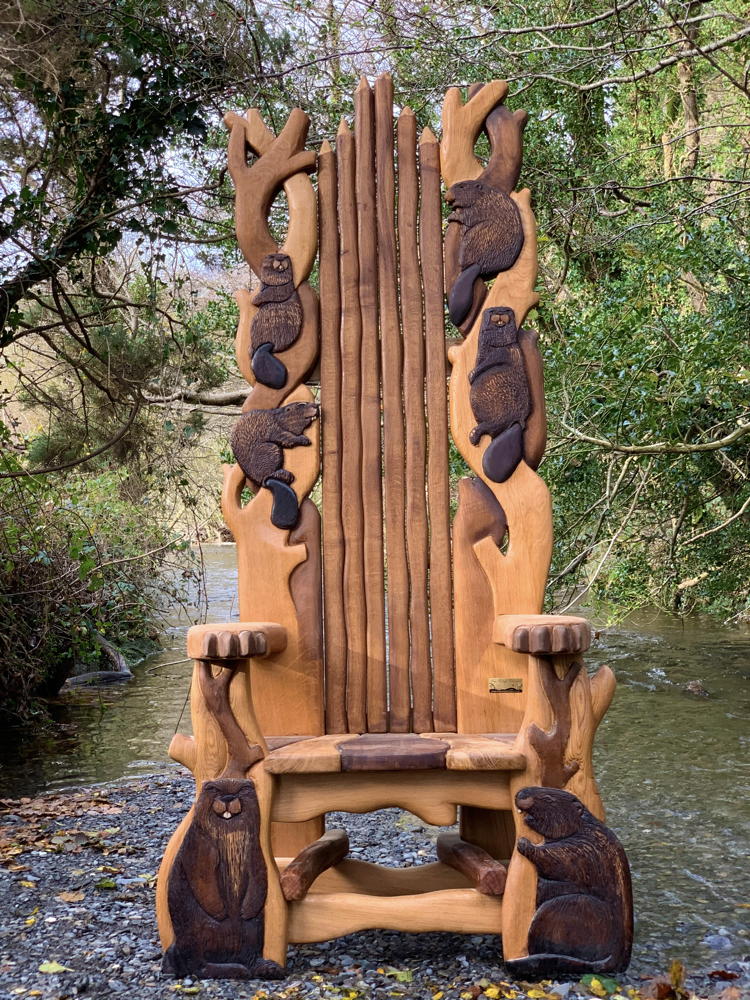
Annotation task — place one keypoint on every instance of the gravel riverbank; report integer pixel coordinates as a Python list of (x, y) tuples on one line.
[(77, 914)]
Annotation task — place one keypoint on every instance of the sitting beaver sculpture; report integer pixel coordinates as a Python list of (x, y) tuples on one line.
[(584, 916), (217, 889)]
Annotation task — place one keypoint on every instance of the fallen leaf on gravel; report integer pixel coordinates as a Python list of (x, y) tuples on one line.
[(730, 993), (27, 885), (53, 967), (71, 897), (725, 974), (106, 883)]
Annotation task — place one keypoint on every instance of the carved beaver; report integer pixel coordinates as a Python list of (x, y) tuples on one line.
[(491, 227), (258, 441), (278, 322), (217, 889), (584, 917), (491, 240), (500, 398)]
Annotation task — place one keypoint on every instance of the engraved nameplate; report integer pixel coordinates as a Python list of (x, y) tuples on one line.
[(506, 685)]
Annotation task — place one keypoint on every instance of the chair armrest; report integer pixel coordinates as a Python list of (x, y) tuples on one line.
[(542, 635), (235, 641)]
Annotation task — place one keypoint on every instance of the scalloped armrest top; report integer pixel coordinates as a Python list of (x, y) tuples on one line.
[(542, 635), (235, 640)]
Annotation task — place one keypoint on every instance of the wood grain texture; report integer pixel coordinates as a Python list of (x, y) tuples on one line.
[(420, 674), (320, 917), (287, 688), (318, 755), (378, 880), (517, 576), (397, 752), (481, 752), (364, 132), (393, 415), (494, 830), (282, 162), (535, 433), (202, 640), (478, 658), (438, 486), (277, 323), (305, 583), (271, 837), (485, 873), (542, 704), (355, 609), (299, 875), (208, 755), (543, 634), (583, 920), (431, 795), (462, 124), (218, 888), (392, 752), (330, 393), (241, 753), (299, 359)]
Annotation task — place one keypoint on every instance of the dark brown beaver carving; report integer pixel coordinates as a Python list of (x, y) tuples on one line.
[(499, 397), (491, 228), (278, 322), (217, 889), (258, 441), (584, 917), (491, 239)]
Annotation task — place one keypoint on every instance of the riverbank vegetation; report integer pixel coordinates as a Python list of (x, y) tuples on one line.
[(117, 263)]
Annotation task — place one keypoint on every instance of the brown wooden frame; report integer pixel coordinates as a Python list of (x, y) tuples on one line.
[(450, 676)]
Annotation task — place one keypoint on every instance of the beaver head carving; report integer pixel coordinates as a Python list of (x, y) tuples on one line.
[(276, 269), (226, 805), (463, 194), (552, 812)]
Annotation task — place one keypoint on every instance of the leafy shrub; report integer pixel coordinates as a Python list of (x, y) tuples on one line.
[(77, 560)]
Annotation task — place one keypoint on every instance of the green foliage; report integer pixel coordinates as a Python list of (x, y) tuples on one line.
[(78, 560)]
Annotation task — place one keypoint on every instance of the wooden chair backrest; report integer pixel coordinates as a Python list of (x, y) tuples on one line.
[(391, 655)]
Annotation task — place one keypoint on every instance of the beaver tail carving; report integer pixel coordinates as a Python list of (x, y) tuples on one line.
[(285, 507), (537, 966), (461, 295)]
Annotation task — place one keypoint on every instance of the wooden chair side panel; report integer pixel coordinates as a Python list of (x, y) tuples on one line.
[(502, 534)]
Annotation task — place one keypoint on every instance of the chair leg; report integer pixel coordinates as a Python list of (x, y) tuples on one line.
[(491, 829), (223, 896), (276, 935)]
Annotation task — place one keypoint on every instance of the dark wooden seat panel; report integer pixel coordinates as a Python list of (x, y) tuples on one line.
[(395, 752)]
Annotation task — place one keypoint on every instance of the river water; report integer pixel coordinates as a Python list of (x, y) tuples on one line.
[(674, 768)]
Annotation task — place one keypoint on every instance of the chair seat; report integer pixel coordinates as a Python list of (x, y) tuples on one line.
[(394, 752)]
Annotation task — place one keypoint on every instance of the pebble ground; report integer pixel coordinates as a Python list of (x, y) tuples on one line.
[(77, 915)]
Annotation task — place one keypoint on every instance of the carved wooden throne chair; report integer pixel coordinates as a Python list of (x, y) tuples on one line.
[(386, 657)]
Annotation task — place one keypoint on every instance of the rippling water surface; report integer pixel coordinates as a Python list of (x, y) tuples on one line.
[(674, 768)]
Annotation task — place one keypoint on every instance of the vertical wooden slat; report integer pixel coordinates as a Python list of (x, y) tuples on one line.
[(393, 418), (414, 413), (352, 514), (330, 396), (371, 455), (438, 490)]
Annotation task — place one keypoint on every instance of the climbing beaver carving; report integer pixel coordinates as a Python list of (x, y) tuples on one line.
[(258, 441), (278, 322), (584, 917), (491, 226), (500, 398), (218, 887)]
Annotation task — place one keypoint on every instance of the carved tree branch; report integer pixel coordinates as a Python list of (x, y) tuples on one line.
[(282, 162), (241, 755), (550, 744)]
